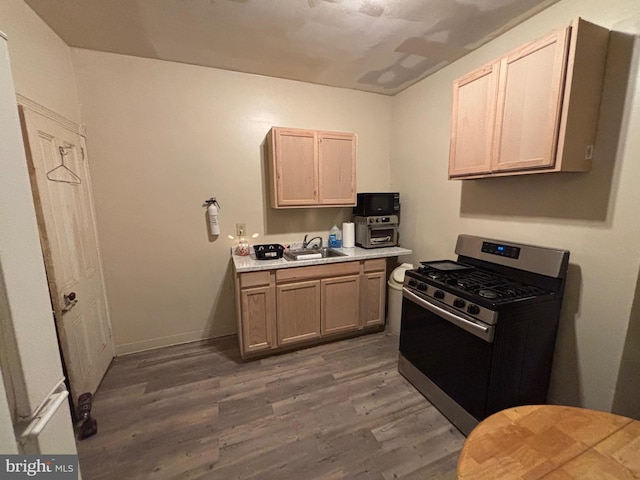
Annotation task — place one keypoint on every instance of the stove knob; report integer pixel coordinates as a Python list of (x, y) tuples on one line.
[(459, 303), (438, 294), (473, 309), (412, 283), (422, 287)]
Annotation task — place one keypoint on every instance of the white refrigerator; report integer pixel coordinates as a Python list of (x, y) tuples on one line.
[(34, 410)]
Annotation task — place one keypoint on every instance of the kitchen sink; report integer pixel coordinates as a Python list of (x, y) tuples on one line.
[(311, 253)]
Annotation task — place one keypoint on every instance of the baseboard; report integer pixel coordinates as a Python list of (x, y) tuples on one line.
[(153, 343)]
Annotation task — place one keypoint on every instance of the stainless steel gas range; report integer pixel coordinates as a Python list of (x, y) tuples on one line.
[(477, 334)]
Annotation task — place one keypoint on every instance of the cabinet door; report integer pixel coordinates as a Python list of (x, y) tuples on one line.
[(298, 316), (337, 168), (258, 318), (340, 304), (373, 298), (472, 121), (295, 165), (529, 104)]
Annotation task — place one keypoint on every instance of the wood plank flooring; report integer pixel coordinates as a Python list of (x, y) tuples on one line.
[(335, 411)]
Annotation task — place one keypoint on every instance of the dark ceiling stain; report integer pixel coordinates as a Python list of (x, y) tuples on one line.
[(392, 77), (371, 9), (470, 25), (430, 49)]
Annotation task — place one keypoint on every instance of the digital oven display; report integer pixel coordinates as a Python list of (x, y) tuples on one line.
[(501, 250)]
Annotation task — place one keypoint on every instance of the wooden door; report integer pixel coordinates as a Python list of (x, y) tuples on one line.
[(64, 206), (295, 164), (340, 304), (337, 168), (373, 298), (298, 312), (472, 121), (258, 317), (529, 104)]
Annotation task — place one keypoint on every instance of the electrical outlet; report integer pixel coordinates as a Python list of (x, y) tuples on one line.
[(588, 154), (241, 229)]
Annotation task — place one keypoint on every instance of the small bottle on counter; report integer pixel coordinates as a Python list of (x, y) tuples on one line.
[(242, 248), (335, 237)]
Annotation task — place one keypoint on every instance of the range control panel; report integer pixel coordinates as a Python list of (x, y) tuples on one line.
[(501, 250)]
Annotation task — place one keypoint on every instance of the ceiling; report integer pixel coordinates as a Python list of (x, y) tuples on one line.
[(380, 46)]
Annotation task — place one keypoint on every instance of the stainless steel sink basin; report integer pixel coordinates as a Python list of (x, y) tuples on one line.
[(311, 253)]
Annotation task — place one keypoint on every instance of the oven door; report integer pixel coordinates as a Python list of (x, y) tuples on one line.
[(452, 350), (383, 237)]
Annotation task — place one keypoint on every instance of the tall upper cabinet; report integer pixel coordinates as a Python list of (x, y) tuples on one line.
[(309, 168), (533, 110)]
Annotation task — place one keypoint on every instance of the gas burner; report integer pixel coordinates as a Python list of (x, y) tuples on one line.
[(488, 293), (479, 285)]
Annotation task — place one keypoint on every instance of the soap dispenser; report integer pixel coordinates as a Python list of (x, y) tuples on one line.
[(335, 238)]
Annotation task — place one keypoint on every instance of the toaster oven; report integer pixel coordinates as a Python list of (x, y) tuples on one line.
[(376, 231)]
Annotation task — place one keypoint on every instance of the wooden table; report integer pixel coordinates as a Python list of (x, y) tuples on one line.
[(554, 443)]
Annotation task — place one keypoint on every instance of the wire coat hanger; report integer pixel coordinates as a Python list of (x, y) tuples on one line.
[(73, 178)]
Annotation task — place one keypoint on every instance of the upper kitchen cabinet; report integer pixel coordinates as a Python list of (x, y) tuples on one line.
[(534, 110), (474, 113), (309, 168)]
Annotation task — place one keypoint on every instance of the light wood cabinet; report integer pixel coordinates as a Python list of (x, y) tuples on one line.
[(298, 312), (373, 289), (340, 304), (529, 104), (336, 168), (309, 168), (533, 110), (279, 309), (473, 121), (257, 307)]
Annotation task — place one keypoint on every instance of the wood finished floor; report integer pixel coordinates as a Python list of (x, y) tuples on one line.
[(336, 411)]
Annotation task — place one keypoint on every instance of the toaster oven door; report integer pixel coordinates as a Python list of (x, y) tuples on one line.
[(383, 237)]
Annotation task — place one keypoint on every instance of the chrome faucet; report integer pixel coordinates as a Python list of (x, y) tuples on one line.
[(306, 243)]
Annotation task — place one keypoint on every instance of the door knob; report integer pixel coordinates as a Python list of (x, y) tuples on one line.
[(69, 302)]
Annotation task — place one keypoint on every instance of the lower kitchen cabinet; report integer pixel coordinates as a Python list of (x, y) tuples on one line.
[(283, 308), (298, 307), (373, 298), (340, 304), (257, 307)]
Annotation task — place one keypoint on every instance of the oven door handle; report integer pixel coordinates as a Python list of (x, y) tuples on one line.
[(380, 239), (485, 332)]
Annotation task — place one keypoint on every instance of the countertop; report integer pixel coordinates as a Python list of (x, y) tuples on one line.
[(250, 264), (552, 442)]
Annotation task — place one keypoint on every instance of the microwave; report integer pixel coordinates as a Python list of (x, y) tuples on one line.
[(370, 204)]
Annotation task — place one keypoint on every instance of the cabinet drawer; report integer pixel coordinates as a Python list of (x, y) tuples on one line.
[(375, 265), (254, 279), (316, 271)]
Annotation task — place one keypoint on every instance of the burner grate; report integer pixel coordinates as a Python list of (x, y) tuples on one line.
[(483, 283)]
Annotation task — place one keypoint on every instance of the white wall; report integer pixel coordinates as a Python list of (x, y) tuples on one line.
[(42, 70), (163, 137), (40, 60), (594, 215), (8, 444)]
